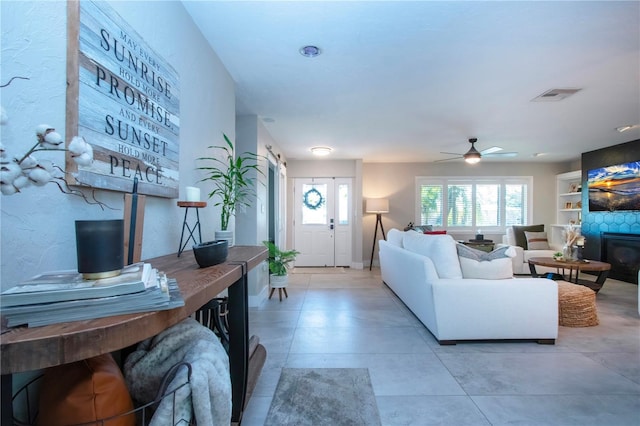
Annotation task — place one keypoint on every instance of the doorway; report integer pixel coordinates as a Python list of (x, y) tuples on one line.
[(323, 211), (276, 217)]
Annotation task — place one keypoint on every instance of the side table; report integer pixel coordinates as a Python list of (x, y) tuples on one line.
[(484, 245), (185, 225)]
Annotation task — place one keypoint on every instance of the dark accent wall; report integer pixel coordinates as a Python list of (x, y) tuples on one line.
[(594, 223)]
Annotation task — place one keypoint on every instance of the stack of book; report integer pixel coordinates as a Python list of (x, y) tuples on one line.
[(63, 296)]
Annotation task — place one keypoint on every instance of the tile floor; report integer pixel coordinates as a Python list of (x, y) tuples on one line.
[(591, 376)]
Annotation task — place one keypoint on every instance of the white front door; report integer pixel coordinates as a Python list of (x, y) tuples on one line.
[(322, 224)]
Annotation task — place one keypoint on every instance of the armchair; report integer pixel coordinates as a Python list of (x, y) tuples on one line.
[(517, 238)]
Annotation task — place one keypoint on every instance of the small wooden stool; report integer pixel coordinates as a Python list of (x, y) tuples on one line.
[(576, 305)]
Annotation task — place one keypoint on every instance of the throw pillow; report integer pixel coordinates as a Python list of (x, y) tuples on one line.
[(488, 266), (422, 228), (537, 240), (85, 392), (435, 232), (497, 269), (441, 249), (518, 233), (479, 255)]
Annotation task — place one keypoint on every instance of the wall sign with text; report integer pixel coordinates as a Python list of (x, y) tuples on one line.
[(124, 99)]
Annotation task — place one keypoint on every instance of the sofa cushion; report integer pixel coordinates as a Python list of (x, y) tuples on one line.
[(520, 238), (441, 249), (537, 240), (489, 266), (394, 236), (528, 254)]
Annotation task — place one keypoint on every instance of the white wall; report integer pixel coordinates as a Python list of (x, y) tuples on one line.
[(37, 226), (252, 226)]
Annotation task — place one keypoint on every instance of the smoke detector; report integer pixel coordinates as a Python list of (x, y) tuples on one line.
[(310, 51)]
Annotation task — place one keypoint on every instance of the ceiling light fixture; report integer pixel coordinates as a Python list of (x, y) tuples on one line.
[(472, 156), (321, 151), (627, 127), (310, 51)]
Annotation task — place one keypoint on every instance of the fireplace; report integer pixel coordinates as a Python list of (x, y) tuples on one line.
[(622, 251)]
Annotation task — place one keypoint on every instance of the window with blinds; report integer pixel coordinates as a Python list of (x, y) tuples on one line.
[(472, 203)]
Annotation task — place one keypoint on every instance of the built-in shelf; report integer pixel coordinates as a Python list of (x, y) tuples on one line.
[(569, 203)]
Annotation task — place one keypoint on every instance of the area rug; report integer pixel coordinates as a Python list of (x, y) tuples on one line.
[(327, 270), (324, 396)]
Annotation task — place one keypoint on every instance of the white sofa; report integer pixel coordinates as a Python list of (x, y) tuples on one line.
[(454, 308), (521, 259)]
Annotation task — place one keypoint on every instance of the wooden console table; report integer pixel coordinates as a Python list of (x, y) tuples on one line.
[(27, 349)]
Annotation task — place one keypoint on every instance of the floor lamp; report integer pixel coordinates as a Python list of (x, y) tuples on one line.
[(377, 206)]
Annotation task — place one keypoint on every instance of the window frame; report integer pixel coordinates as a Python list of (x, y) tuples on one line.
[(502, 181)]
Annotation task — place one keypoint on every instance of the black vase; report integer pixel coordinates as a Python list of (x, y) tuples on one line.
[(100, 248)]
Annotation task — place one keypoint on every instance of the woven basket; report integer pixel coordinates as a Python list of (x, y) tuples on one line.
[(576, 305)]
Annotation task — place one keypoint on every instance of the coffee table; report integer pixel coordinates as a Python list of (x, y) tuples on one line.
[(574, 265)]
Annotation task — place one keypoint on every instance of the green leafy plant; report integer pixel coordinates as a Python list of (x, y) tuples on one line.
[(279, 260), (232, 179)]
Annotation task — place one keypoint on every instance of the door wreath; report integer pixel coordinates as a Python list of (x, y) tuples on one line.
[(313, 199)]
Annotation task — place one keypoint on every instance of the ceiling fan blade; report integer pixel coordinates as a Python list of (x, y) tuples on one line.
[(447, 159), (490, 150), (451, 153), (501, 154)]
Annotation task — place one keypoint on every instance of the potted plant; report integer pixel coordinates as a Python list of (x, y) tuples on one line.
[(279, 263), (233, 184)]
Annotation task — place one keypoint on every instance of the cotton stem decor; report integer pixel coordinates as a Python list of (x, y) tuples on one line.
[(18, 172), (571, 235)]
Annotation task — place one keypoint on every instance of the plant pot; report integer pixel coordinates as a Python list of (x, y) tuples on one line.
[(279, 281), (210, 253), (225, 235), (100, 248)]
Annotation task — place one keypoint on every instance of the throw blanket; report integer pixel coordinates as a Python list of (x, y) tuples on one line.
[(207, 396)]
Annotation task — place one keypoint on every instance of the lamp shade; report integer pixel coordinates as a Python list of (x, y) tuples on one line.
[(377, 205)]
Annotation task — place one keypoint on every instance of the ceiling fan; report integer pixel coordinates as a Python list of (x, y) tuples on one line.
[(473, 155)]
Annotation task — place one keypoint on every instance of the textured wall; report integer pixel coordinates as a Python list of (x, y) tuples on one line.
[(37, 226), (594, 223)]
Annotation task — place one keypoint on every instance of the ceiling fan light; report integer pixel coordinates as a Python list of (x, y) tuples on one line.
[(472, 158)]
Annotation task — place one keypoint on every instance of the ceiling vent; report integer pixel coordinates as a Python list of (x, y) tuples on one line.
[(555, 95)]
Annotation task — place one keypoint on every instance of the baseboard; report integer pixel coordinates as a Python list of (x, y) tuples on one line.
[(357, 265)]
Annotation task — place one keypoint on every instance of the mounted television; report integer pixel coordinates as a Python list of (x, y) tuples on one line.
[(614, 188)]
